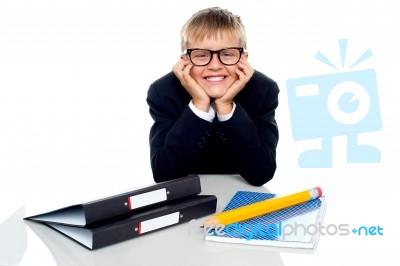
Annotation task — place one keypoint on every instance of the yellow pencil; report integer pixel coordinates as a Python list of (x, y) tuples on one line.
[(262, 207)]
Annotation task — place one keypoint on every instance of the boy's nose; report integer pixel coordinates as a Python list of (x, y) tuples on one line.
[(215, 63)]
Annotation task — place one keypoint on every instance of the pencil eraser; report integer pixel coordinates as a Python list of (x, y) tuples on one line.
[(319, 191)]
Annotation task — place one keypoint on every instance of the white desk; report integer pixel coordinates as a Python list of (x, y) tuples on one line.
[(178, 245)]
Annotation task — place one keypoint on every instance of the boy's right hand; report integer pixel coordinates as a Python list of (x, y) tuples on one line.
[(199, 97)]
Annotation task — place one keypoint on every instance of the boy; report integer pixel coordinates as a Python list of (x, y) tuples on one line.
[(213, 114)]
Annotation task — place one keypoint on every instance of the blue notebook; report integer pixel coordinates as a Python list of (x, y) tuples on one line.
[(295, 227)]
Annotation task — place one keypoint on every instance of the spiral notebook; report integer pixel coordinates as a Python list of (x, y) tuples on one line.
[(293, 227)]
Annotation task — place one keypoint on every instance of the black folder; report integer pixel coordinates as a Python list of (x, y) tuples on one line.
[(125, 227), (129, 202)]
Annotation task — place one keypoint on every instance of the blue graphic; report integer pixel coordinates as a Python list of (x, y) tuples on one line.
[(344, 103), (368, 231)]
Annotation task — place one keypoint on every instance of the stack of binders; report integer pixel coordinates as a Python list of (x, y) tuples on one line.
[(129, 215)]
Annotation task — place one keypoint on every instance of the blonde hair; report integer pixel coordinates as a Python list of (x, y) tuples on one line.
[(212, 23)]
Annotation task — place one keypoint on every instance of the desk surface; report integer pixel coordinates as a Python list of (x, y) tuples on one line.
[(183, 244)]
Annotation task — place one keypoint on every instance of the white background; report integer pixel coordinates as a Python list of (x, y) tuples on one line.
[(74, 122)]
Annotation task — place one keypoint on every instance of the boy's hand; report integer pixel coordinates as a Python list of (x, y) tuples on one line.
[(199, 97), (244, 72)]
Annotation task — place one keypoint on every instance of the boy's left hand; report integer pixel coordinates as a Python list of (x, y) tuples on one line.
[(244, 72)]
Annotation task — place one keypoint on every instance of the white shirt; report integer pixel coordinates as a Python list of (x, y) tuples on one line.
[(210, 115)]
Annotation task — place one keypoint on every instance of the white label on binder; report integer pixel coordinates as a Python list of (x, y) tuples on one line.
[(159, 222), (147, 198)]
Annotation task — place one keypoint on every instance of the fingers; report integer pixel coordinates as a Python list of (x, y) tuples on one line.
[(179, 66), (245, 71), (182, 70), (186, 70)]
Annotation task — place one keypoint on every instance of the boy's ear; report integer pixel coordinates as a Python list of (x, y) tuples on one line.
[(183, 56), (246, 55)]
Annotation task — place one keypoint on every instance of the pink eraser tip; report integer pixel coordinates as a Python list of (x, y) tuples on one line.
[(319, 191)]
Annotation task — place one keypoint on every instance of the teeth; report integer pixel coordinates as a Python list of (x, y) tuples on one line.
[(215, 78)]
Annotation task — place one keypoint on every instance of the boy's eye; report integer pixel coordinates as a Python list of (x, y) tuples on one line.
[(202, 54), (227, 54)]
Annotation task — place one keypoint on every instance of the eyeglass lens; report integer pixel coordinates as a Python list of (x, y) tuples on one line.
[(202, 57)]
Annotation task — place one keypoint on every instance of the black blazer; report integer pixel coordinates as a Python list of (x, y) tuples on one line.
[(181, 143)]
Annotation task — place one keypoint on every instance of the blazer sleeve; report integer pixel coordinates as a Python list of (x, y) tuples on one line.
[(252, 140), (174, 130)]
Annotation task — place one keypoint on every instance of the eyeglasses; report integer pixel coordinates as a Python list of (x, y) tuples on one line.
[(228, 56)]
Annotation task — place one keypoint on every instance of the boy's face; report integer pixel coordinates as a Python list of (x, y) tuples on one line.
[(215, 78)]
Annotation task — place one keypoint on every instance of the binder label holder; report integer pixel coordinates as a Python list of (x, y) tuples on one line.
[(146, 199)]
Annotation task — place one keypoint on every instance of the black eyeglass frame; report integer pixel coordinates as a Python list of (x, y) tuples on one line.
[(189, 51)]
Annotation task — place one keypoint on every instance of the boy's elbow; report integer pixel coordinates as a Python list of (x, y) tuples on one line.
[(261, 178), (260, 181)]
